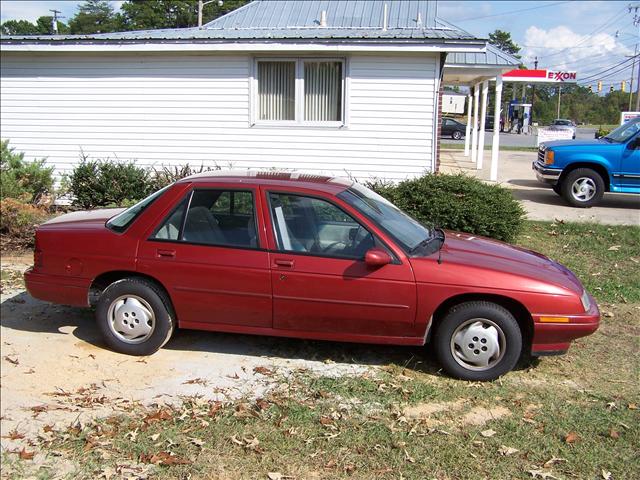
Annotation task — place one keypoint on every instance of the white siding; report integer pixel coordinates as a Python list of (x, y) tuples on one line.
[(171, 109)]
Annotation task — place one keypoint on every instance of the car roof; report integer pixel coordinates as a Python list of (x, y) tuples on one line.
[(272, 178)]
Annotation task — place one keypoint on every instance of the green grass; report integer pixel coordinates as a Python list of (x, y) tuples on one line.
[(605, 258), (320, 427), (460, 146)]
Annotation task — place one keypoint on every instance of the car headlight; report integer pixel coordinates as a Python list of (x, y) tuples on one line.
[(548, 157), (586, 302)]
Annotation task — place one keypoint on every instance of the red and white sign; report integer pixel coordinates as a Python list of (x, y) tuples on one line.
[(540, 76)]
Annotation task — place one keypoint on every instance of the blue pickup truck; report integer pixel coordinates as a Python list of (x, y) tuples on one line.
[(582, 170)]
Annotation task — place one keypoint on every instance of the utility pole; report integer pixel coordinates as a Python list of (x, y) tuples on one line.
[(54, 21), (533, 92), (633, 70), (201, 4), (559, 97), (636, 23)]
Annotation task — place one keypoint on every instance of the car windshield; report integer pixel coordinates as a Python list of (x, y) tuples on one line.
[(406, 231), (562, 122), (624, 132), (120, 222)]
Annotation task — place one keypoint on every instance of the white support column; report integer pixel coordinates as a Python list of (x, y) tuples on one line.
[(483, 119), (495, 144), (467, 136), (474, 133)]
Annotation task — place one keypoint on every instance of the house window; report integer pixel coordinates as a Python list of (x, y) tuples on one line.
[(300, 91)]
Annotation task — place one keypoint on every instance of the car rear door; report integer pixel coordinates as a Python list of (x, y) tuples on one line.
[(320, 280), (208, 251)]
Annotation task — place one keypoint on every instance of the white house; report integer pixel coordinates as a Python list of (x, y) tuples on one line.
[(338, 87)]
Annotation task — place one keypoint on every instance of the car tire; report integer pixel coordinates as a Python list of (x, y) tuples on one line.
[(135, 316), (582, 188), (456, 135), (478, 341), (556, 188)]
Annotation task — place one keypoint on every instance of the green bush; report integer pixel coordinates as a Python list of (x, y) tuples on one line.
[(458, 202), (164, 176), (107, 183), (18, 222), (20, 179), (601, 132)]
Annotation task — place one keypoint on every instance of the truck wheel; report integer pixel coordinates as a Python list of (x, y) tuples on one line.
[(478, 341), (134, 316), (456, 135), (582, 188), (556, 188)]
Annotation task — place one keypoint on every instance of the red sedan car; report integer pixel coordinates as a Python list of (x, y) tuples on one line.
[(311, 257)]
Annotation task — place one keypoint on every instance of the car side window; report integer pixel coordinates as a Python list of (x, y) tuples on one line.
[(311, 225), (213, 217)]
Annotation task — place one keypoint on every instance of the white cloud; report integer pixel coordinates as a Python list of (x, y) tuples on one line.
[(561, 48), (31, 10)]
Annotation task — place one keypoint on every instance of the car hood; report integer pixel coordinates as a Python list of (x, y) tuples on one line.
[(482, 262), (590, 144), (82, 219)]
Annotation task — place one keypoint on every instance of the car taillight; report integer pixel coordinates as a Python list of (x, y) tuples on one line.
[(548, 157), (37, 254)]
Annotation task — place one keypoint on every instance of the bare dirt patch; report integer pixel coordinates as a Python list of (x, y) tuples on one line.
[(478, 416)]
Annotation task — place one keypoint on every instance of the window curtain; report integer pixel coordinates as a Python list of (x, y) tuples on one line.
[(323, 91), (277, 90)]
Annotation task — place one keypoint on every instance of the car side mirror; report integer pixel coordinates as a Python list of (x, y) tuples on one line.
[(377, 257)]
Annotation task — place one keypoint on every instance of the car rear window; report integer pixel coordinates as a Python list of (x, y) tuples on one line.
[(121, 222)]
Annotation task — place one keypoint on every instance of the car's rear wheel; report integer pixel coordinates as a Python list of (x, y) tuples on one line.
[(456, 135), (582, 187), (135, 316), (478, 341)]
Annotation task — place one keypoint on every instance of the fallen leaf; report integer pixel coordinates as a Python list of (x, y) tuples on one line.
[(24, 455), (571, 437), (553, 461), (506, 451), (542, 474), (614, 434), (632, 406), (14, 435), (614, 248), (408, 457), (154, 437), (168, 459), (197, 442), (196, 381), (13, 361), (488, 433), (263, 371), (160, 415), (611, 405), (606, 475)]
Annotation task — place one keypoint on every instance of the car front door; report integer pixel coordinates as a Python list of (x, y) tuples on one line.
[(208, 252), (320, 280), (629, 175)]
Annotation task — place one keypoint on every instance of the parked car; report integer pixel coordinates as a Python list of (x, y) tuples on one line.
[(564, 124), (453, 128), (305, 256), (582, 171)]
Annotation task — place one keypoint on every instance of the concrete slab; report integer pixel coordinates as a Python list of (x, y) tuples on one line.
[(539, 200)]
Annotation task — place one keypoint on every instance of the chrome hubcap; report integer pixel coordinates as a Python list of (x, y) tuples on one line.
[(131, 319), (583, 189), (478, 344)]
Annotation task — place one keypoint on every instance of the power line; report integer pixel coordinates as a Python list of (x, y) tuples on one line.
[(608, 72), (511, 12)]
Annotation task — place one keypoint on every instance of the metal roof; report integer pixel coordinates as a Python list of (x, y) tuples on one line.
[(300, 20), (492, 57)]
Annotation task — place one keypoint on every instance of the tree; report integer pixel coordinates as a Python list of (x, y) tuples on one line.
[(95, 16), (43, 26), (504, 42), (18, 27), (146, 15)]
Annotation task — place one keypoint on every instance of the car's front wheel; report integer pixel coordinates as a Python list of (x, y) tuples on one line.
[(135, 316), (456, 135), (478, 341), (582, 187)]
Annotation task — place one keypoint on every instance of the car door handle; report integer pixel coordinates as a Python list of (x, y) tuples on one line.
[(284, 263), (165, 253)]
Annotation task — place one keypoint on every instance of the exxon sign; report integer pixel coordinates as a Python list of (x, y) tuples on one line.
[(561, 76), (540, 76)]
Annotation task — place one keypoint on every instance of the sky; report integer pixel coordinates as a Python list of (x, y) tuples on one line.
[(590, 37)]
